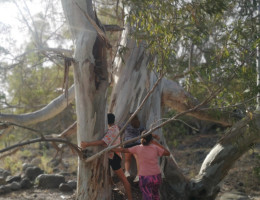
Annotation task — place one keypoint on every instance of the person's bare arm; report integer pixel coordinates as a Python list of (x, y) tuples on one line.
[(166, 152), (93, 143)]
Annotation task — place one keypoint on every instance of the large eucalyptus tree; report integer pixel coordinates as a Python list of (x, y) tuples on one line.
[(165, 32)]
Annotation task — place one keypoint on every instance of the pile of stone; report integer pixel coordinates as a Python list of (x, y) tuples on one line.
[(33, 176)]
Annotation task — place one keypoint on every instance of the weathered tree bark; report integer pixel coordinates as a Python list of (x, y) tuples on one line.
[(90, 78)]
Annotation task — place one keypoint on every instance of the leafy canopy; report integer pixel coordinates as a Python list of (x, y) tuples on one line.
[(209, 44)]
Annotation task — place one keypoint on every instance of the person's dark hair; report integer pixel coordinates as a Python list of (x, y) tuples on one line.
[(135, 122), (147, 139), (110, 118)]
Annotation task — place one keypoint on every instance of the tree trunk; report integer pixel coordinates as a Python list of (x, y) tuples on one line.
[(133, 84), (90, 78)]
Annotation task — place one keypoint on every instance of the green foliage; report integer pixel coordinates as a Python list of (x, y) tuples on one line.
[(34, 85), (35, 77), (210, 44), (44, 164), (26, 153), (213, 7), (12, 164), (174, 130), (166, 25)]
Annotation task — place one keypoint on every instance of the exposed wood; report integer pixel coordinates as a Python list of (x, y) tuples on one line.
[(137, 109)]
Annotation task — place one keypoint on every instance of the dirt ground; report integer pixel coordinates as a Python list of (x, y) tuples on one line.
[(189, 154)]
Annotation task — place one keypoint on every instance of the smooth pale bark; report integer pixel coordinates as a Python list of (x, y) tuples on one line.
[(90, 78), (55, 107)]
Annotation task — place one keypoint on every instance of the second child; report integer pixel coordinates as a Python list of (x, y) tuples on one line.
[(149, 171)]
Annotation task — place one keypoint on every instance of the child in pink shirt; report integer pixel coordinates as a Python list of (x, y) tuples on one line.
[(149, 170), (113, 158)]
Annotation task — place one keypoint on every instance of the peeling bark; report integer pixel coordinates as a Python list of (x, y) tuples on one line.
[(90, 79)]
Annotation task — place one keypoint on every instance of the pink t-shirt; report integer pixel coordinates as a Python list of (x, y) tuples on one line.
[(111, 133), (147, 157)]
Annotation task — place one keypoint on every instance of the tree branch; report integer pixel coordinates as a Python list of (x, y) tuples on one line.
[(53, 108), (72, 129), (113, 28), (45, 139), (175, 97)]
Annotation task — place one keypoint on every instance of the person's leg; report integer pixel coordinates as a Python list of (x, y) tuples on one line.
[(137, 168), (145, 187), (125, 182), (128, 157), (156, 182)]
